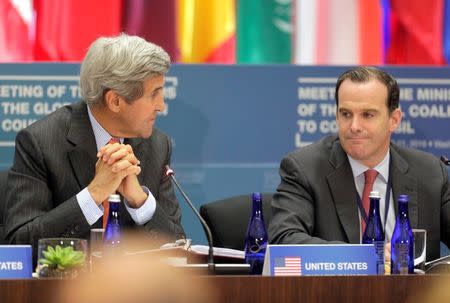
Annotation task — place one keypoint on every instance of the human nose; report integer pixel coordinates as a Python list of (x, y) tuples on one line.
[(355, 125), (160, 105)]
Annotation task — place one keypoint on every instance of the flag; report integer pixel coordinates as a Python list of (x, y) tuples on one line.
[(416, 35), (321, 35), (338, 42), (15, 31), (305, 32), (65, 29), (264, 31), (386, 22), (206, 31), (370, 32), (287, 266), (155, 21), (446, 40)]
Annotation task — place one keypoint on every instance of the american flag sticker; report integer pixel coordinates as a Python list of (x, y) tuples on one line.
[(288, 266)]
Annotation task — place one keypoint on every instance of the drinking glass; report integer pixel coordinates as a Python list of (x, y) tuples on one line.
[(96, 245), (96, 241), (420, 249)]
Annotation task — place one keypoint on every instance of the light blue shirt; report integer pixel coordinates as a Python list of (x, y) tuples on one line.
[(92, 212), (380, 185)]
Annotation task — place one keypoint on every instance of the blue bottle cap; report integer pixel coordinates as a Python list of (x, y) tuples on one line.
[(403, 198), (256, 196)]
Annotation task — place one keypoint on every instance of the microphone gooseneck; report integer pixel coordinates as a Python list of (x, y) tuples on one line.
[(211, 267)]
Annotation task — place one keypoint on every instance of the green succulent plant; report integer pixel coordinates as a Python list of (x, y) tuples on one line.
[(62, 258)]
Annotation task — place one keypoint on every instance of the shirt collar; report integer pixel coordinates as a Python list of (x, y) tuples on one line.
[(382, 168), (102, 137)]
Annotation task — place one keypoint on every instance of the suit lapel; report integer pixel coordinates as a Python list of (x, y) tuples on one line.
[(404, 184), (83, 155), (343, 190)]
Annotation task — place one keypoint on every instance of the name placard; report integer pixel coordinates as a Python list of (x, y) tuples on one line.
[(323, 259), (15, 262)]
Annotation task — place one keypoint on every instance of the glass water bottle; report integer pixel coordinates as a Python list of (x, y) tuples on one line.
[(256, 238), (374, 233), (112, 229), (402, 242)]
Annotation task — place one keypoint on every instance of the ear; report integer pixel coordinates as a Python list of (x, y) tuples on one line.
[(395, 119), (112, 101)]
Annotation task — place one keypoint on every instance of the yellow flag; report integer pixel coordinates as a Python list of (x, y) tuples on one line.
[(206, 31)]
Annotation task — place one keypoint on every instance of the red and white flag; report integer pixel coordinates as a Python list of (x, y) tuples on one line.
[(16, 37)]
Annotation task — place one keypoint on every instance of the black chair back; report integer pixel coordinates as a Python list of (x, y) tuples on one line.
[(228, 219)]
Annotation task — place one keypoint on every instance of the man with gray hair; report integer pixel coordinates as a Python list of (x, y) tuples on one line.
[(66, 165)]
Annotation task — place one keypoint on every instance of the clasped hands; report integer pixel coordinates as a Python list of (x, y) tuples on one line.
[(116, 170)]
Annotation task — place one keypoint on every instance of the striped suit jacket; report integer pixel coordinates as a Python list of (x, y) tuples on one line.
[(55, 159)]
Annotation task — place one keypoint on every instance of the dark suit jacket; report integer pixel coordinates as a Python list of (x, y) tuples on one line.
[(55, 159), (315, 201)]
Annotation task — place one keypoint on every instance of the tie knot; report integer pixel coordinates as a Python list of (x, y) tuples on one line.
[(114, 140), (370, 176)]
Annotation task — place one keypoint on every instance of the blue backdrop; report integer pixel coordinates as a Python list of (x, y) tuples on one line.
[(231, 125)]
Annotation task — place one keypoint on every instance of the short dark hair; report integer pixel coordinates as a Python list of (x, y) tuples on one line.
[(362, 74)]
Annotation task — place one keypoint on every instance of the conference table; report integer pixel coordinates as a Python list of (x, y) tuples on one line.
[(262, 289)]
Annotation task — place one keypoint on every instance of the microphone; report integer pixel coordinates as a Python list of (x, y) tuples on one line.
[(211, 267), (445, 160)]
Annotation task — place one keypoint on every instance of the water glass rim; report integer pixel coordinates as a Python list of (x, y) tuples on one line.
[(419, 230), (97, 229)]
